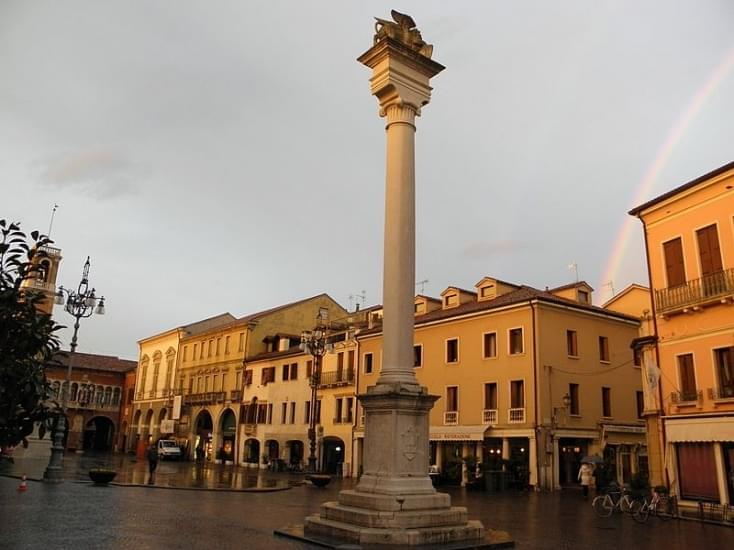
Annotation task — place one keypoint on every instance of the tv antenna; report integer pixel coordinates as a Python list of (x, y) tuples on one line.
[(610, 286), (422, 284), (51, 224), (573, 266), (355, 299)]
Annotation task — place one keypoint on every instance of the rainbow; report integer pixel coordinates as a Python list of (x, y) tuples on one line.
[(644, 190)]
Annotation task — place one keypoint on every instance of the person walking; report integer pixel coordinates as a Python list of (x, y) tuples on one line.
[(152, 456), (586, 472)]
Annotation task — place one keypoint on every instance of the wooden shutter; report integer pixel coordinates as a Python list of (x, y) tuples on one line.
[(708, 250), (687, 376), (674, 266)]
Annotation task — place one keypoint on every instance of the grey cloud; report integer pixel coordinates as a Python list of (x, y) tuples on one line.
[(97, 172)]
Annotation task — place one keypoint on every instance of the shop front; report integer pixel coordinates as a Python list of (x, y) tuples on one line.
[(456, 450)]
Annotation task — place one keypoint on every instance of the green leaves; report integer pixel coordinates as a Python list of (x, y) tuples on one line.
[(28, 340)]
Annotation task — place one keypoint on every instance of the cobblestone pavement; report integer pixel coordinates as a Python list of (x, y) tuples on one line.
[(81, 516), (168, 474)]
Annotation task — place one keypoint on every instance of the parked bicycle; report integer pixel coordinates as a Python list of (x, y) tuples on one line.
[(660, 505), (615, 498)]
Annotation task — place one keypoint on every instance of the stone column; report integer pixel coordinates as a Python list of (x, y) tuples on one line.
[(505, 448), (533, 462), (556, 465)]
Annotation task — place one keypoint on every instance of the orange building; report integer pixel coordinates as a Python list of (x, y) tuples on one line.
[(689, 241)]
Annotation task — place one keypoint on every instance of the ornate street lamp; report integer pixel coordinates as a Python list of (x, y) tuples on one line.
[(315, 343), (80, 304)]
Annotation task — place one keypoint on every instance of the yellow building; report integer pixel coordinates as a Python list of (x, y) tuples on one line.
[(689, 238), (278, 395), (528, 380), (156, 376), (214, 379)]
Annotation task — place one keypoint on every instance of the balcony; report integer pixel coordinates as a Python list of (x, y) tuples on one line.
[(724, 392), (207, 398), (451, 418), (712, 288), (686, 397), (335, 378), (516, 416), (235, 396), (489, 416)]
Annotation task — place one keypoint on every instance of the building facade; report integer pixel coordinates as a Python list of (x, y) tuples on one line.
[(527, 380), (689, 242), (95, 407)]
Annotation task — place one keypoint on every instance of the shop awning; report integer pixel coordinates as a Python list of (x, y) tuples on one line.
[(458, 433), (622, 434), (700, 429)]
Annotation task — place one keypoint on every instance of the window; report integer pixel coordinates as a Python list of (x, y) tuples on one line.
[(417, 355), (294, 371), (211, 348), (724, 358), (604, 349), (292, 418), (637, 357), (687, 378), (350, 360), (191, 385), (206, 383), (241, 344), (450, 300), (572, 345), (226, 345), (224, 380), (201, 350), (214, 385), (517, 394), (338, 410), (317, 413), (283, 412), (196, 347), (237, 379), (674, 266), (516, 343), (489, 345), (248, 377), (307, 412), (452, 399), (219, 342), (486, 291), (349, 410), (709, 251), (186, 353), (452, 350), (583, 296), (268, 375), (368, 363), (640, 401), (286, 372), (340, 361), (490, 395), (606, 402), (573, 392), (309, 368)]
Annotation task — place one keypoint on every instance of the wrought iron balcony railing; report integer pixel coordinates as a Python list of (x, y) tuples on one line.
[(722, 392), (335, 378), (696, 292), (489, 416), (686, 397), (235, 395), (451, 418), (516, 416)]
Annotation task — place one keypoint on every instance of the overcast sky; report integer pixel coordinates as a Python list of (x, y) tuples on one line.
[(228, 156)]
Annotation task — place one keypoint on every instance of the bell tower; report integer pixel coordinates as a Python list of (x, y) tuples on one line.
[(43, 279)]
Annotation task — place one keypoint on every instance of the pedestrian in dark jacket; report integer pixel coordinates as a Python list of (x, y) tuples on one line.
[(152, 455)]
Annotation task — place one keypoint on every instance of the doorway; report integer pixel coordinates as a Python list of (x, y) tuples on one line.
[(571, 451)]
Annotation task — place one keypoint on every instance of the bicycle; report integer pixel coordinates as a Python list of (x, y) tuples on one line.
[(659, 505), (614, 498)]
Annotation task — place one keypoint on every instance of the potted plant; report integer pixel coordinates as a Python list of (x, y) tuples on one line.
[(102, 476)]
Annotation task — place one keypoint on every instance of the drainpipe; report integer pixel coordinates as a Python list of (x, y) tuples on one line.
[(536, 394)]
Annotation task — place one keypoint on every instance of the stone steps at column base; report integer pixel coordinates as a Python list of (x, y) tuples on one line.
[(411, 519), (471, 532)]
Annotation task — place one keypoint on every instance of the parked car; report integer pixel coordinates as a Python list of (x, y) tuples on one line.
[(169, 449)]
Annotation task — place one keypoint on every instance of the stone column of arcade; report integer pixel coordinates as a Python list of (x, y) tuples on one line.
[(395, 503)]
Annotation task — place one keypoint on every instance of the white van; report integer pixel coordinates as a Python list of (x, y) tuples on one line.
[(168, 448)]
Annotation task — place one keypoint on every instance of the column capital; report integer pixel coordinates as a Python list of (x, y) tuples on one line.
[(400, 75)]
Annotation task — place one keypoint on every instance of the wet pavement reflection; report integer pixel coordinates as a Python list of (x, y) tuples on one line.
[(173, 474)]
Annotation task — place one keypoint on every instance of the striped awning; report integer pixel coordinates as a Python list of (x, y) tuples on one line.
[(720, 428)]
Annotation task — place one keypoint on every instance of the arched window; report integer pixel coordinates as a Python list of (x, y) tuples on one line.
[(74, 391), (107, 396), (55, 389), (64, 389), (100, 395), (116, 396), (43, 269)]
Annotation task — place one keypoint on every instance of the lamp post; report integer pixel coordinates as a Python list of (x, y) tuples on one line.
[(80, 304), (315, 343)]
